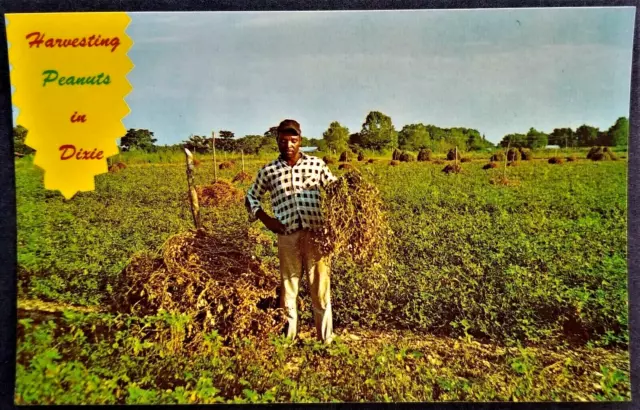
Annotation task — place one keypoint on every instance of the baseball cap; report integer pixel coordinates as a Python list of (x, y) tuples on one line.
[(289, 125)]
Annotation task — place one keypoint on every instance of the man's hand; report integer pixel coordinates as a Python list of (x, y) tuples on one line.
[(272, 224)]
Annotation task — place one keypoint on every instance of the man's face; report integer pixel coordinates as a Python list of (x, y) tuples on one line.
[(289, 144)]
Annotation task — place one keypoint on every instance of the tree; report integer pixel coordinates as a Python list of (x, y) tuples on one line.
[(19, 136), (138, 139), (378, 132), (536, 139), (413, 137), (564, 137), (618, 134), (514, 140), (587, 135), (336, 137), (226, 142), (198, 144), (250, 144)]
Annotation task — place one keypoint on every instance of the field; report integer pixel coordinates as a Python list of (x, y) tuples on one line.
[(496, 292)]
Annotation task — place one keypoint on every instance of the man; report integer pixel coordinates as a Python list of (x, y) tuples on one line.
[(293, 181)]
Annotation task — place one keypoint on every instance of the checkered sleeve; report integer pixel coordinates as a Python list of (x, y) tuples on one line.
[(326, 177), (256, 192)]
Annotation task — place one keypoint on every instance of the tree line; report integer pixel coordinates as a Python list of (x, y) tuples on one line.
[(583, 136), (377, 133)]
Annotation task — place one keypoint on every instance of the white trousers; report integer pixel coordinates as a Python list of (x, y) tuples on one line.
[(299, 253)]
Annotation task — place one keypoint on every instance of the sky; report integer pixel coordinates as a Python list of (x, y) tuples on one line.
[(499, 71)]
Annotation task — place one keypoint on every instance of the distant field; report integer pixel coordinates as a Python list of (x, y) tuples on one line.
[(540, 264)]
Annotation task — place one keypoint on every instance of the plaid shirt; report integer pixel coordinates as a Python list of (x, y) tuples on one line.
[(295, 194)]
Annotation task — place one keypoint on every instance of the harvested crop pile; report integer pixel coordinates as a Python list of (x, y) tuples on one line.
[(242, 177), (526, 154), (556, 160), (346, 156), (452, 169), (451, 155), (360, 156), (226, 165), (498, 156), (491, 165), (394, 163), (346, 166), (328, 160), (572, 158), (355, 222), (502, 180), (465, 159), (396, 155), (218, 193), (600, 154), (424, 155), (407, 157), (513, 154), (438, 162), (117, 167), (213, 279), (371, 161)]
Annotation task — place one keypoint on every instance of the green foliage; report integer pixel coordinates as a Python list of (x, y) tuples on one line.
[(618, 134), (199, 144), (138, 139), (336, 137), (19, 136), (378, 132), (106, 359), (541, 263), (413, 137)]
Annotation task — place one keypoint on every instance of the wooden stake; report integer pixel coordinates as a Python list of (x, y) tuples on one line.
[(506, 157), (193, 195), (215, 166), (242, 154)]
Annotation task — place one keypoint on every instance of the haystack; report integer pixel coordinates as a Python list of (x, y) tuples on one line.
[(556, 160), (497, 156), (465, 159), (346, 166), (491, 165), (242, 177), (212, 279), (424, 155), (394, 163), (361, 156), (226, 165), (355, 222), (220, 192), (117, 167), (452, 154), (572, 158), (407, 157), (346, 156), (452, 169), (328, 160), (371, 161)]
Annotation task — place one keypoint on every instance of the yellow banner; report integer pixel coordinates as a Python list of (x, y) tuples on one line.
[(69, 73)]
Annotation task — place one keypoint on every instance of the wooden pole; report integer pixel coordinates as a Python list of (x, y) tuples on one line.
[(456, 157), (242, 154), (193, 195), (506, 157), (215, 166)]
